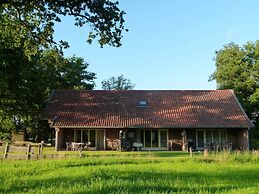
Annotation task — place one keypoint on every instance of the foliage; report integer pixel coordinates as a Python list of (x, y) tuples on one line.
[(237, 68), (30, 24), (6, 123), (117, 83), (27, 84), (128, 174), (31, 60)]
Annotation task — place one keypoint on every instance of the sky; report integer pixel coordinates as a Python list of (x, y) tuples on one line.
[(170, 45)]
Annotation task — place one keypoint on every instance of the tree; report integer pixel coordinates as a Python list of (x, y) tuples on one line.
[(31, 61), (27, 85), (117, 83), (237, 68), (30, 24)]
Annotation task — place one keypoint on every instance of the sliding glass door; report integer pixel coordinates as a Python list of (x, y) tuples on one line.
[(154, 138), (210, 136), (148, 138), (200, 138), (85, 136), (163, 138)]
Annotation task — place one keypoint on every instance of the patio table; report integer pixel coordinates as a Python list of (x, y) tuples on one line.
[(77, 146)]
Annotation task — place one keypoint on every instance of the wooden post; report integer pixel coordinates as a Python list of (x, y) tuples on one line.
[(39, 151), (6, 150), (217, 149), (80, 153), (206, 153), (41, 145), (190, 152), (28, 151)]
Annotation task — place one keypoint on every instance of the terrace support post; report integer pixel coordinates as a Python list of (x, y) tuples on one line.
[(6, 150), (246, 136), (104, 139), (184, 140), (57, 139)]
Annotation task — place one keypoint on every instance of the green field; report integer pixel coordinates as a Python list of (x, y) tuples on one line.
[(120, 172)]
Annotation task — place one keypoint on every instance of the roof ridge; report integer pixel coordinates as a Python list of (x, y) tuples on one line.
[(145, 90)]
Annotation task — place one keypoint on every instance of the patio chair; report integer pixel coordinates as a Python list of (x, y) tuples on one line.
[(228, 146), (116, 144), (74, 146), (68, 146), (87, 146), (170, 145)]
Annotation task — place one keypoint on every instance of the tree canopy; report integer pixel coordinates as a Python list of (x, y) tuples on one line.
[(27, 84), (30, 24), (31, 60), (117, 83), (237, 68)]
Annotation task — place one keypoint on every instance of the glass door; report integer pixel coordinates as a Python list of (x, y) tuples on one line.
[(147, 138), (77, 136), (200, 139), (85, 136), (163, 138), (154, 138), (100, 140), (209, 137)]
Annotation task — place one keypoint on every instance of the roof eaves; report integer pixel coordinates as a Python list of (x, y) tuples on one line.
[(147, 127)]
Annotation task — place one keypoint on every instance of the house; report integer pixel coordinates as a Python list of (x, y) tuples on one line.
[(152, 117)]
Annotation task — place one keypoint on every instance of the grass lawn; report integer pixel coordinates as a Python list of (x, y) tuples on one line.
[(120, 172)]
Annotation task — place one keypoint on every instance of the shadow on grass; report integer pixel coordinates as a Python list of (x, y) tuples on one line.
[(140, 182), (170, 154)]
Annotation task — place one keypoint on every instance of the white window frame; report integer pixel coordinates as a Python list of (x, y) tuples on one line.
[(159, 137), (88, 134), (212, 137)]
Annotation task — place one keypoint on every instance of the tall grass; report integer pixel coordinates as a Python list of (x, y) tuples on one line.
[(232, 157), (158, 172)]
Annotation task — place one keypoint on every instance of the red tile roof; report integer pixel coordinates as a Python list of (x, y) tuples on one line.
[(165, 109)]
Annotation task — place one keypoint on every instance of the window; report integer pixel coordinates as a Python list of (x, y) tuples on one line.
[(85, 136), (200, 138), (163, 138), (216, 137), (147, 138), (210, 136), (154, 138), (143, 103), (77, 136), (223, 136)]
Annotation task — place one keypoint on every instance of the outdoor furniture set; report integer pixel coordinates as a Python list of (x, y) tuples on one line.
[(73, 146), (219, 146)]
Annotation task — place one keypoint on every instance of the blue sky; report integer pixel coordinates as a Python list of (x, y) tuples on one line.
[(170, 44)]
